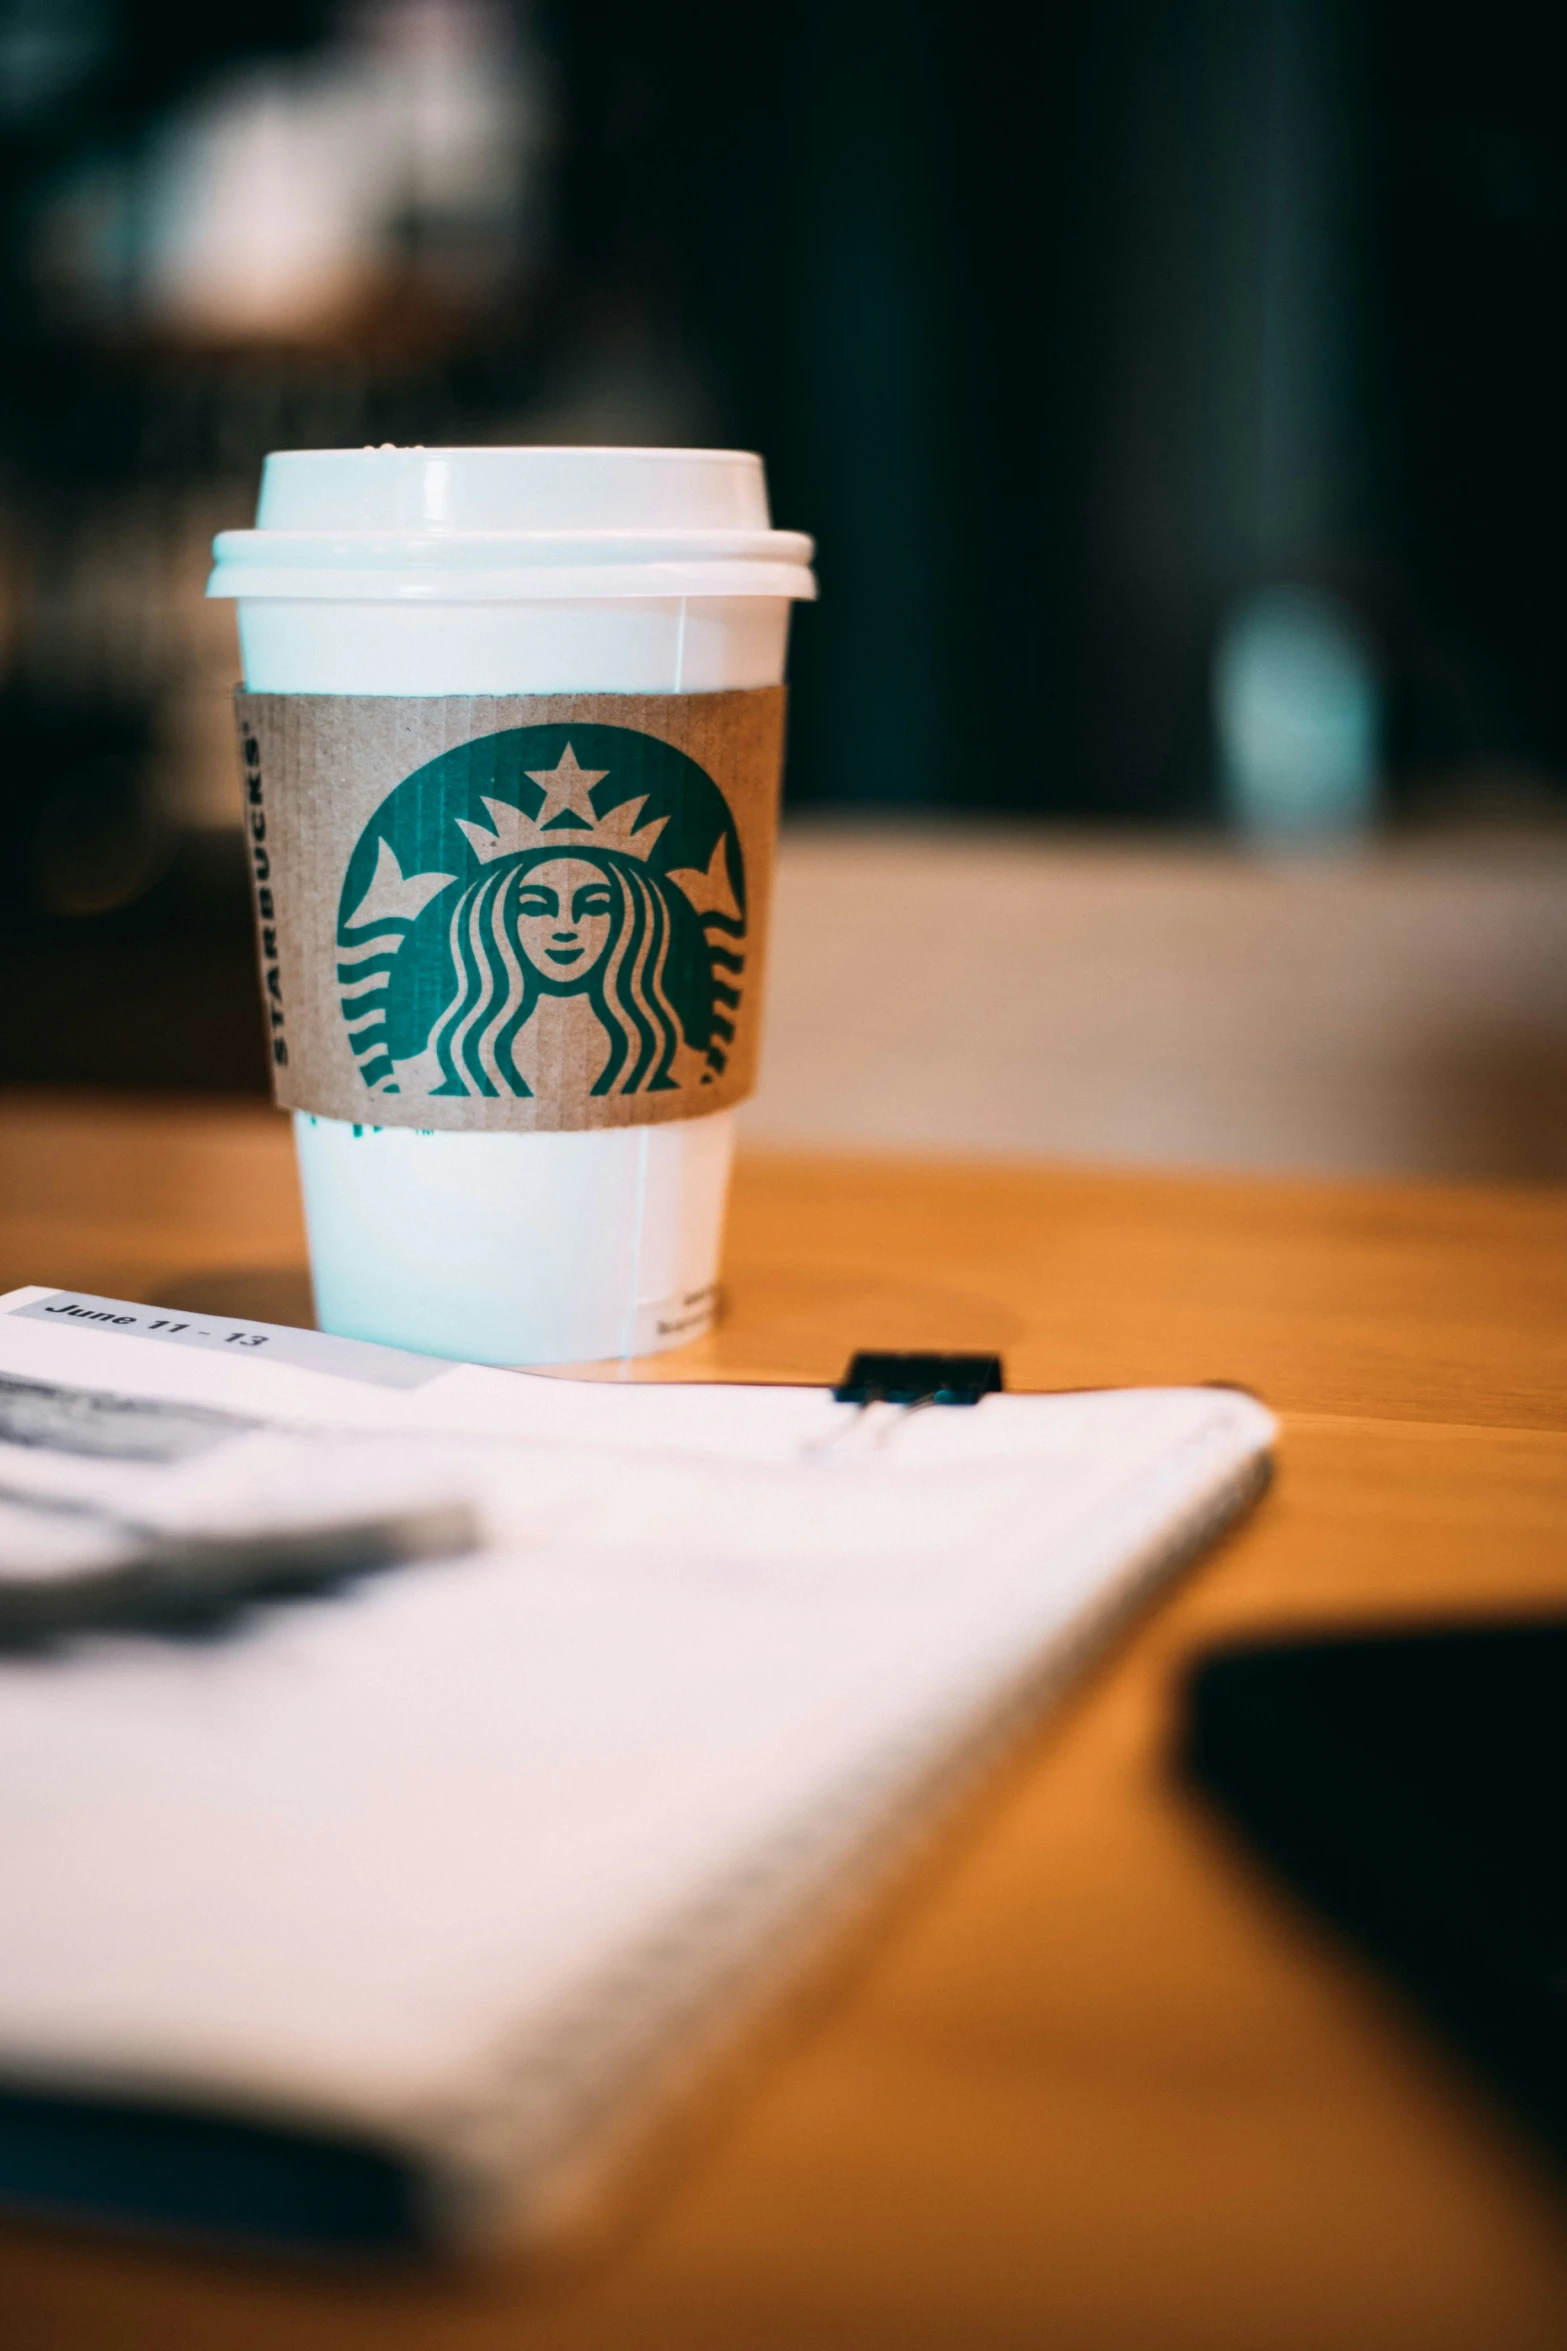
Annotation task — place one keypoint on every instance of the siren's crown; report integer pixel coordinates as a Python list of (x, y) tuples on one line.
[(567, 819)]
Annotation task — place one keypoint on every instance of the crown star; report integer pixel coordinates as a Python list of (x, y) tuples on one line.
[(567, 818), (566, 791)]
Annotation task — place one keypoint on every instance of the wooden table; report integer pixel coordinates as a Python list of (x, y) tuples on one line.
[(1094, 2082)]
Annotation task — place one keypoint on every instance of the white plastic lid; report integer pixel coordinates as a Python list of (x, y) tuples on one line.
[(464, 525)]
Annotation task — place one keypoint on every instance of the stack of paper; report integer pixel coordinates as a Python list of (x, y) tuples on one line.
[(449, 1874)]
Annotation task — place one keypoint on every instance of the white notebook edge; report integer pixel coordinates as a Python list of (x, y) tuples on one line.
[(533, 2146), (489, 2193)]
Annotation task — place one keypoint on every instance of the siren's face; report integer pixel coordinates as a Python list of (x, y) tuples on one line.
[(564, 908)]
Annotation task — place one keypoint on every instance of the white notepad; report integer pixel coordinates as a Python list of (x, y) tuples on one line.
[(462, 1865)]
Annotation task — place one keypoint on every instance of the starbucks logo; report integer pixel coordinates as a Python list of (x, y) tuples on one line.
[(549, 904)]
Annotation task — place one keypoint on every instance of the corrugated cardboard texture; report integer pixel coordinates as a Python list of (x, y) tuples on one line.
[(512, 912)]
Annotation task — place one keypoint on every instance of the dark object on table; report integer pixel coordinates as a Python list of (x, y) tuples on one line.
[(1414, 1786), (919, 1379), (205, 2175)]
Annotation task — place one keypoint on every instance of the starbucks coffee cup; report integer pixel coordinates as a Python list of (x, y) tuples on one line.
[(511, 736)]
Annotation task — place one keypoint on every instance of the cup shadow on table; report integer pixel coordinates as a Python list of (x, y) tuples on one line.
[(271, 1293), (811, 1321)]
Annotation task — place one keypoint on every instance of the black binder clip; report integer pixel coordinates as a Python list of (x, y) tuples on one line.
[(919, 1379)]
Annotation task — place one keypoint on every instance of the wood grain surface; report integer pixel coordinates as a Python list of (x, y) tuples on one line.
[(1093, 2081)]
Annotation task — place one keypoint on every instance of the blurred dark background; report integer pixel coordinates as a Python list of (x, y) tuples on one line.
[(1175, 391)]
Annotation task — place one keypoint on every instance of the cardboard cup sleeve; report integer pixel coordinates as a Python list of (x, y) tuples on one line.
[(516, 913)]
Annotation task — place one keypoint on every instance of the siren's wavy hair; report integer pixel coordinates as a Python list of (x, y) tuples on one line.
[(497, 988)]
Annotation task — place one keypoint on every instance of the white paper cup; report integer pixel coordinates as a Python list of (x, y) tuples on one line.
[(494, 572)]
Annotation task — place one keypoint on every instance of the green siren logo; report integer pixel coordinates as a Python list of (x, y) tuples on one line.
[(544, 900)]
